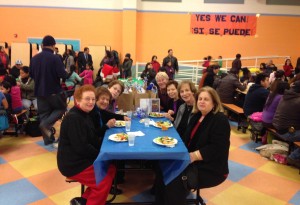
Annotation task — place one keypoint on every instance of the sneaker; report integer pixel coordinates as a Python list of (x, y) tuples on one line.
[(15, 119), (293, 162), (55, 145), (78, 201)]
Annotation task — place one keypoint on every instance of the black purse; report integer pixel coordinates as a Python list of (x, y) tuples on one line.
[(190, 177)]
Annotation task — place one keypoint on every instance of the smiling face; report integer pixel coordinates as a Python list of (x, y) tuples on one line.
[(87, 102), (115, 91), (186, 94), (162, 82), (172, 91), (205, 103), (103, 101)]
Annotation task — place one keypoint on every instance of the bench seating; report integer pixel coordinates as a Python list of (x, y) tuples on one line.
[(16, 125), (237, 110)]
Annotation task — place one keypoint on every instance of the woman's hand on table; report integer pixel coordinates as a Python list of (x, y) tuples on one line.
[(111, 123), (167, 115)]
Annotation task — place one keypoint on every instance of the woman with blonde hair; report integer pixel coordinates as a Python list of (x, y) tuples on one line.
[(162, 79), (186, 90), (207, 140)]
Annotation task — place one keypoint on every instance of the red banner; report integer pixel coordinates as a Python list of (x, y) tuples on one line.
[(223, 24)]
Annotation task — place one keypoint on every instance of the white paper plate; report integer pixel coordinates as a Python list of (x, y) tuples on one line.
[(153, 114), (120, 123), (157, 141), (155, 125), (115, 138)]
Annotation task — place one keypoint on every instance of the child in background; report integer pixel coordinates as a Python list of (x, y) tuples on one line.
[(5, 89), (73, 78), (15, 93), (87, 75)]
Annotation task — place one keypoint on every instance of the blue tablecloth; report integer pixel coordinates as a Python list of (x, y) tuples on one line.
[(172, 160)]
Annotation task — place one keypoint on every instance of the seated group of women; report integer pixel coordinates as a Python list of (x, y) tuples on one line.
[(197, 117)]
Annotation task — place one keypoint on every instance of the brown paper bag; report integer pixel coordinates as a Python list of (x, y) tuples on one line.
[(125, 102)]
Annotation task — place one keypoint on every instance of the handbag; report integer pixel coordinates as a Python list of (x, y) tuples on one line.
[(3, 122), (190, 177), (32, 127)]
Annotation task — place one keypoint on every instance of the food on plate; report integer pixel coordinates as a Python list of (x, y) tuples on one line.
[(166, 140), (121, 137), (120, 123), (155, 114), (163, 124)]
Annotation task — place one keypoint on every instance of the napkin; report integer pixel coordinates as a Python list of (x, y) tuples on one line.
[(152, 122), (137, 133)]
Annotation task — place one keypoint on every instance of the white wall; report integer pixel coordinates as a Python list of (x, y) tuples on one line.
[(250, 6)]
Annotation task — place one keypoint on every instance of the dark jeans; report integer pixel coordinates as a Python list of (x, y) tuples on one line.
[(175, 194), (51, 108)]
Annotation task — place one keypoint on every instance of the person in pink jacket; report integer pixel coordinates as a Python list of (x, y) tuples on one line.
[(87, 75), (15, 93)]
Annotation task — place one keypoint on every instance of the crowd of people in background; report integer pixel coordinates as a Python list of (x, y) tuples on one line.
[(197, 114)]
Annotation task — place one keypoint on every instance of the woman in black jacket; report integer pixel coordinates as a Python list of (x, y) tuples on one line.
[(79, 147), (207, 140)]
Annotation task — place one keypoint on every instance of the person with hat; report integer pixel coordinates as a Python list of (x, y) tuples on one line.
[(126, 67), (47, 70), (15, 70)]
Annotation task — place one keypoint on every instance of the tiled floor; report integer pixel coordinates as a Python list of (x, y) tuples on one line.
[(29, 175)]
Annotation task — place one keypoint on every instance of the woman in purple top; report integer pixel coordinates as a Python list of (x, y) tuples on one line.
[(175, 101), (277, 90), (169, 70)]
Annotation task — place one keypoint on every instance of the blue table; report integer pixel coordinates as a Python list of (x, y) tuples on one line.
[(172, 160)]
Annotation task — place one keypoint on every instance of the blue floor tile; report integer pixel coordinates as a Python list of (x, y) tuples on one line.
[(49, 147), (2, 161), (296, 199), (22, 192), (144, 196), (233, 123), (250, 146), (238, 171)]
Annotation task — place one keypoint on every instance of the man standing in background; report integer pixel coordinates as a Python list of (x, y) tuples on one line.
[(173, 59), (83, 59), (56, 52), (237, 63), (47, 70)]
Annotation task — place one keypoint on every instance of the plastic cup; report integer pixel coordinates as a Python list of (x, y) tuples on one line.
[(147, 122), (129, 113), (131, 139), (127, 125)]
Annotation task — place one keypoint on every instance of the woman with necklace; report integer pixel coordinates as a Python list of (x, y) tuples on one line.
[(175, 101), (187, 91)]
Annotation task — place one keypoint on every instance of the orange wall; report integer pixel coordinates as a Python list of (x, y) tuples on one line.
[(91, 27), (155, 33)]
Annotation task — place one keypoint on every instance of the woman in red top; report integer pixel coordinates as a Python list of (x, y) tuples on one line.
[(288, 68), (155, 64)]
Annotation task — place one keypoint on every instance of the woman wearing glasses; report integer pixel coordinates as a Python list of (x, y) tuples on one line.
[(79, 147)]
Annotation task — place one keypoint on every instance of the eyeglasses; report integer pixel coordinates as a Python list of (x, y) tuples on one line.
[(89, 99)]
